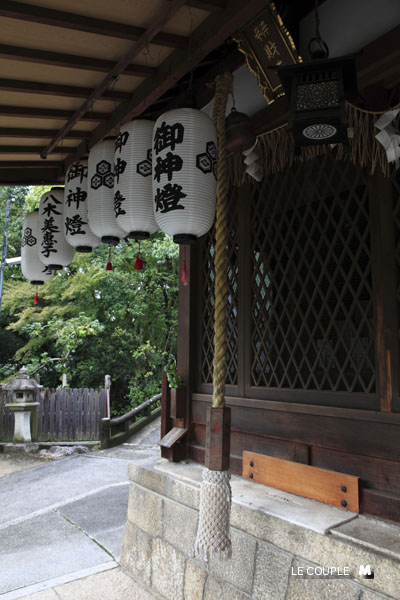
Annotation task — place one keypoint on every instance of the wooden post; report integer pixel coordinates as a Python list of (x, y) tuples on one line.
[(218, 428), (107, 386), (105, 433), (384, 285)]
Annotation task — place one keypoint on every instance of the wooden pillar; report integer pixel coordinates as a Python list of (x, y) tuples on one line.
[(384, 289)]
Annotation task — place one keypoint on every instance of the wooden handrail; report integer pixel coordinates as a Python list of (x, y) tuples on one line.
[(135, 411)]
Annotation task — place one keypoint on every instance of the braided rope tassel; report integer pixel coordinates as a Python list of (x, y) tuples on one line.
[(215, 492)]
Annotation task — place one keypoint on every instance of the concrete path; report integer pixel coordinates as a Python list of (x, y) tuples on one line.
[(62, 524)]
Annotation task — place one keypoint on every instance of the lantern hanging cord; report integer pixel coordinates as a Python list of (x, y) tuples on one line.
[(321, 49), (316, 17), (223, 88)]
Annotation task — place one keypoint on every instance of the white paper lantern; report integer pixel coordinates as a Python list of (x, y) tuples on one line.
[(31, 266), (54, 250), (102, 221), (184, 173), (133, 197), (76, 222)]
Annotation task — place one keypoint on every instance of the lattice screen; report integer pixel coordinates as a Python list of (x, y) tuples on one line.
[(208, 280), (312, 313)]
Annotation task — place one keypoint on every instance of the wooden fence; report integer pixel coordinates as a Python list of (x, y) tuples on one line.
[(64, 415)]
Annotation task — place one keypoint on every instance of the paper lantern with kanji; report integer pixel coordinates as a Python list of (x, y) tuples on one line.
[(102, 221), (54, 250), (133, 196), (31, 266), (184, 173), (76, 222)]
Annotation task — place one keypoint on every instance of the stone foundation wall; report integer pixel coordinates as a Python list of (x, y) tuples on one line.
[(269, 554)]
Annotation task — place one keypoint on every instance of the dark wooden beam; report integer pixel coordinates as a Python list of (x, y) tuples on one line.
[(37, 176), (210, 5), (20, 132), (156, 25), (70, 61), (208, 36), (56, 18), (379, 60), (47, 113), (31, 150), (53, 89), (29, 164)]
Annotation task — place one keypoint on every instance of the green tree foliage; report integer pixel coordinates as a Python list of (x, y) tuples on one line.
[(136, 313), (68, 335)]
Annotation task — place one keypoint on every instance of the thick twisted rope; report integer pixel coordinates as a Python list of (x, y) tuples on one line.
[(223, 87)]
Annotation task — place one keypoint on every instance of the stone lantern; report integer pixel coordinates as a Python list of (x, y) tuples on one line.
[(23, 405)]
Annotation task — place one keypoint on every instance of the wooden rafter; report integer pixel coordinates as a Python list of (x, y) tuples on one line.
[(156, 25), (21, 132), (9, 149), (208, 36), (56, 18), (47, 113), (52, 89), (40, 175), (29, 164), (71, 61)]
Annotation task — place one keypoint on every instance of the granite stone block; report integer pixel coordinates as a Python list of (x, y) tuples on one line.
[(195, 578), (145, 510), (271, 573), (320, 589), (168, 570), (239, 570), (180, 526), (136, 553), (218, 590)]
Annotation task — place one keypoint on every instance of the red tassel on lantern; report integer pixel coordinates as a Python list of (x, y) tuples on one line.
[(36, 299), (138, 263), (184, 273), (109, 266)]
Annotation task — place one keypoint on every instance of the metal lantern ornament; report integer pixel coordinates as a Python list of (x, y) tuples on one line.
[(102, 221), (133, 197), (240, 132), (184, 173), (31, 266), (317, 91), (54, 250), (76, 222)]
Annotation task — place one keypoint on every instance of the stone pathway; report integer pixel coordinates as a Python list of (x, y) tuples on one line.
[(62, 523)]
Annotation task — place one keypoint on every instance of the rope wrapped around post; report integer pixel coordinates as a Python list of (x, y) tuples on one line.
[(215, 492)]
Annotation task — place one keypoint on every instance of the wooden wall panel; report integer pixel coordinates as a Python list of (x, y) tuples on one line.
[(379, 439)]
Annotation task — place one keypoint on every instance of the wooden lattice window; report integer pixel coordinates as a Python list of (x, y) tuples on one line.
[(208, 299), (312, 312)]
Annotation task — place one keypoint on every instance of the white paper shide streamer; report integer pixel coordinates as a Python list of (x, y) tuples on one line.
[(388, 136), (184, 173), (76, 221), (54, 250), (31, 266), (253, 168), (102, 221), (133, 196)]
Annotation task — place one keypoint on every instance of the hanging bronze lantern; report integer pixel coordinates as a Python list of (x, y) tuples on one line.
[(240, 133), (317, 92)]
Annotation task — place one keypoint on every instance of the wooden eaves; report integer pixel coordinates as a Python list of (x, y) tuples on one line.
[(47, 108)]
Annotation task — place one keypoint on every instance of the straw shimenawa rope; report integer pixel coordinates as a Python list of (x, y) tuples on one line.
[(215, 492), (223, 87)]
